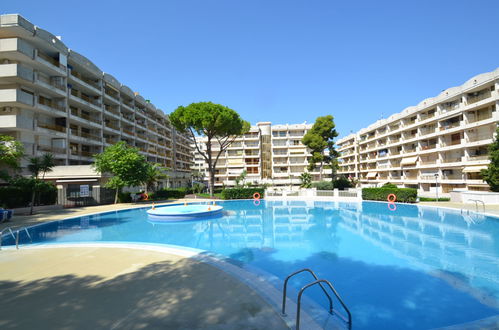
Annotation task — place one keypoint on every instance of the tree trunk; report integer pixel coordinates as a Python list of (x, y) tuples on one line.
[(320, 171), (116, 196), (211, 168), (212, 182), (32, 201)]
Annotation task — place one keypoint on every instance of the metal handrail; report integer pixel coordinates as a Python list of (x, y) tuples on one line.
[(476, 203), (1, 234), (15, 237), (349, 321), (284, 290)]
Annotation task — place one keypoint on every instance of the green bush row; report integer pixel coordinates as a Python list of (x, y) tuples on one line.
[(340, 183), (167, 193), (18, 193), (430, 199), (241, 193), (405, 195)]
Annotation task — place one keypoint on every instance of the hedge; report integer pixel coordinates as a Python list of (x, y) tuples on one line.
[(405, 195), (241, 193), (169, 193), (19, 194)]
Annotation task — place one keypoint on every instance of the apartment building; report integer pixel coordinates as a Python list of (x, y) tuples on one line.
[(437, 146), (54, 100), (272, 154)]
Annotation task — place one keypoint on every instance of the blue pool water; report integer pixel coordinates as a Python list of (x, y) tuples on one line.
[(412, 268)]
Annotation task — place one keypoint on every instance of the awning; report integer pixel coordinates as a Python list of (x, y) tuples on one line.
[(474, 169), (409, 161), (371, 175), (76, 180)]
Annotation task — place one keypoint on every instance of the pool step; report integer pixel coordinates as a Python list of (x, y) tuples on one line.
[(322, 283)]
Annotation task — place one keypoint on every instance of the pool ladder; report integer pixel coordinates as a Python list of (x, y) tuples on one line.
[(319, 282), (16, 236), (476, 204)]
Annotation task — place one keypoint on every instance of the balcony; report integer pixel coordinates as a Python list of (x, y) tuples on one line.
[(478, 158), (112, 126), (51, 127), (477, 97), (51, 105), (16, 97), (85, 100), (452, 160), (480, 137), (50, 61), (50, 149), (86, 82), (14, 71)]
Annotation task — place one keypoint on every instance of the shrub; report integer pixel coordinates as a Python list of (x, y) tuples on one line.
[(390, 185), (323, 185), (167, 193), (405, 195), (124, 197), (242, 193), (198, 187), (18, 193), (341, 183)]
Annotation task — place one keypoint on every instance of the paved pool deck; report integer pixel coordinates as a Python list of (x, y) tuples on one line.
[(123, 288)]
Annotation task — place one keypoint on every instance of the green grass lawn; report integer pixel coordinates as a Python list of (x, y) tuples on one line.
[(428, 199), (216, 195)]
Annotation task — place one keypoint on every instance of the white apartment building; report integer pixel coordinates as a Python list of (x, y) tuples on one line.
[(55, 100), (437, 146), (272, 154)]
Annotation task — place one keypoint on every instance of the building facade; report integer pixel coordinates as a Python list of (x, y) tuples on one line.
[(271, 154), (437, 146), (54, 100)]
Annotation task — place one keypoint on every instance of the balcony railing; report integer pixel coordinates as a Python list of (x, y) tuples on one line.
[(52, 127), (51, 60), (481, 157), (479, 97), (50, 149)]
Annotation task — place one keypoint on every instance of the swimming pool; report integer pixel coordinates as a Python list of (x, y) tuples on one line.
[(412, 268)]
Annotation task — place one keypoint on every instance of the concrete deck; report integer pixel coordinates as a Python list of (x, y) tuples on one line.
[(491, 209), (123, 288)]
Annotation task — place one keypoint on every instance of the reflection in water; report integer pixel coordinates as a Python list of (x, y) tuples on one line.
[(417, 259)]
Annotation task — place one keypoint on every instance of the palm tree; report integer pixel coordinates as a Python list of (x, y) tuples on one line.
[(155, 173), (36, 166)]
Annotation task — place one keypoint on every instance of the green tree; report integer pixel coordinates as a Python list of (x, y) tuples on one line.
[(218, 123), (306, 180), (491, 174), (319, 139), (127, 167), (155, 173), (37, 166), (11, 152)]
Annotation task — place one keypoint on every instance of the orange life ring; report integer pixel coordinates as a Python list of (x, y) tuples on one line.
[(256, 196), (394, 208), (391, 198), (145, 196)]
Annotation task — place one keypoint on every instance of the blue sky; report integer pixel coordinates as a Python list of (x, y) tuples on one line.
[(280, 61)]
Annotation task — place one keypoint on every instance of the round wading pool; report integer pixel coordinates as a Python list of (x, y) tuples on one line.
[(183, 212)]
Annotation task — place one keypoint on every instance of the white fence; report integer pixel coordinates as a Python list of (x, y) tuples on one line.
[(336, 194)]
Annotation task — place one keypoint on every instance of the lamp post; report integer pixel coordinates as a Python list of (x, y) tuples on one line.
[(436, 185)]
